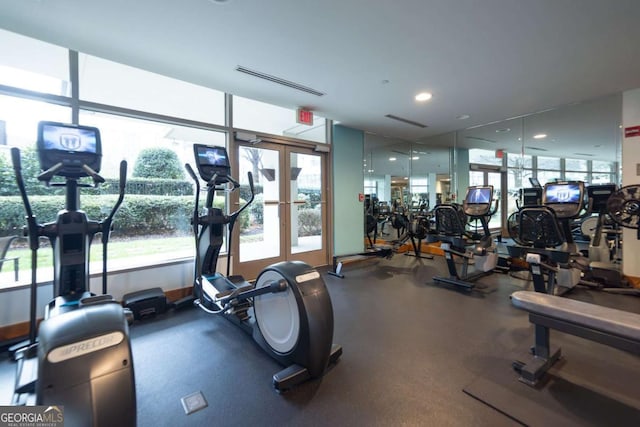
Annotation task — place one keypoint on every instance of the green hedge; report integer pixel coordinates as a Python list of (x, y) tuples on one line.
[(147, 186), (138, 215)]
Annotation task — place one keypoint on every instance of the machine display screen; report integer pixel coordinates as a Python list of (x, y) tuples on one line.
[(69, 148), (562, 193), (479, 195), (69, 138), (212, 156)]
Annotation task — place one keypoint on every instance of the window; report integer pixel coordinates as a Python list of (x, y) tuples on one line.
[(34, 65), (110, 83), (601, 166), (260, 117), (552, 163), (515, 160), (576, 165), (154, 221), (484, 157)]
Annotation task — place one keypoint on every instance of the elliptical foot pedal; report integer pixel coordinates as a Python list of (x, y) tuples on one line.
[(336, 352), (290, 377), (27, 371), (236, 291), (145, 303)]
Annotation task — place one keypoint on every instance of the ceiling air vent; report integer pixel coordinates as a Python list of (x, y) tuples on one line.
[(407, 121), (279, 80), (583, 154), (478, 138), (536, 148)]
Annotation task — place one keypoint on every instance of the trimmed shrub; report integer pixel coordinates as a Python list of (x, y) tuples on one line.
[(158, 163), (309, 222)]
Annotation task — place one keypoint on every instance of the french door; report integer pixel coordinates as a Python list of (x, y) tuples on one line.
[(288, 217), (480, 176)]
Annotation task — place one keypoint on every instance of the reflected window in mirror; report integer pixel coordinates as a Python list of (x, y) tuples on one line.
[(484, 157)]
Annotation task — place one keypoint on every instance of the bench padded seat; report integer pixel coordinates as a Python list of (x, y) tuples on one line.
[(610, 320)]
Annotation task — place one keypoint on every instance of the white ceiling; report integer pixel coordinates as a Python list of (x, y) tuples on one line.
[(489, 59)]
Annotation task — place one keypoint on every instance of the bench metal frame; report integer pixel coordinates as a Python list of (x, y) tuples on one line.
[(544, 355)]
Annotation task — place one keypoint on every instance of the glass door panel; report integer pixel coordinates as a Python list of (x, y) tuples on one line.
[(306, 202), (260, 223), (495, 179), (287, 218)]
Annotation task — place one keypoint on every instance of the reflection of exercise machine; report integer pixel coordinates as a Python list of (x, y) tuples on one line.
[(601, 271), (451, 229), (287, 311), (82, 356), (544, 237)]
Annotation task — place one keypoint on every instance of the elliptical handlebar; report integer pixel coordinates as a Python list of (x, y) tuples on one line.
[(246, 205), (496, 203)]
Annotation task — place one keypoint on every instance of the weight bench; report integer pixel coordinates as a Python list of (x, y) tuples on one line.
[(609, 326)]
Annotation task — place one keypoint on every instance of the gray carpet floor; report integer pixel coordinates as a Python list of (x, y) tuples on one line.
[(410, 349)]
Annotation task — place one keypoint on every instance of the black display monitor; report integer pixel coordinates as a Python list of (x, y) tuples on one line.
[(535, 182), (565, 198), (211, 160), (599, 195), (478, 200), (563, 193), (73, 146), (479, 195)]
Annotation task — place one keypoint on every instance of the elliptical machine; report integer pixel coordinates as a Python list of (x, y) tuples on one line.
[(287, 311), (81, 357)]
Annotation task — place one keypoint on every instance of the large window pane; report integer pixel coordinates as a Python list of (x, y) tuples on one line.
[(34, 65), (484, 157), (517, 160), (577, 176), (261, 117), (111, 83), (548, 163), (575, 165), (600, 166), (153, 224), (548, 176), (602, 178), (19, 118)]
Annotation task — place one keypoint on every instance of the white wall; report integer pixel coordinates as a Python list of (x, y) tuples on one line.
[(15, 302), (630, 176)]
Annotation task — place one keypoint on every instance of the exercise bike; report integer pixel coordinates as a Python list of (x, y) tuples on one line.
[(451, 221), (287, 311), (80, 357)]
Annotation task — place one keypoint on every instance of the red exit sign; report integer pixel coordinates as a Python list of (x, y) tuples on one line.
[(304, 117), (631, 131)]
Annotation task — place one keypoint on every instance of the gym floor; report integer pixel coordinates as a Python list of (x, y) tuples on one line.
[(415, 353)]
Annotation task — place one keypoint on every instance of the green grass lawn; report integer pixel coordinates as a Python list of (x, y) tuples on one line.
[(118, 249)]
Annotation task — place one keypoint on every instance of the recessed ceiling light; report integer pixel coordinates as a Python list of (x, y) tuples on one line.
[(219, 1), (540, 136), (503, 130), (392, 159), (415, 158), (424, 96), (463, 117)]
